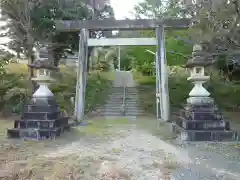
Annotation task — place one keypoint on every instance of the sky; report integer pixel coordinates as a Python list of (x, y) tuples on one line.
[(122, 8)]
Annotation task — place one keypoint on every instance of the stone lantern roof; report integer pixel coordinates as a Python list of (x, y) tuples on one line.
[(43, 64), (199, 57)]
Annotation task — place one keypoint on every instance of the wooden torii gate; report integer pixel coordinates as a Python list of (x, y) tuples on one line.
[(159, 25)]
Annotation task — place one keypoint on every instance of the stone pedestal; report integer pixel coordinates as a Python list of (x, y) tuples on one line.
[(204, 122), (200, 119), (41, 117)]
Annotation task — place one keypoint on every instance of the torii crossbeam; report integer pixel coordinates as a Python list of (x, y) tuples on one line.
[(112, 24), (162, 94)]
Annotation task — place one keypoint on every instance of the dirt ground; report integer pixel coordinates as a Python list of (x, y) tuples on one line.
[(114, 149), (105, 149)]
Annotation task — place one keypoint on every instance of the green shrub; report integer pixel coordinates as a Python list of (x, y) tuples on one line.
[(65, 88), (13, 96)]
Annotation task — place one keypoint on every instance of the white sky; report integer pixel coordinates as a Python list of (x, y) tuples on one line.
[(122, 8)]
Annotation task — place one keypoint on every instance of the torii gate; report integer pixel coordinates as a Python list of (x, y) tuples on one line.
[(83, 27)]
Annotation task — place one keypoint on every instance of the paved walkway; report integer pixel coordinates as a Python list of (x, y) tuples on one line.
[(124, 78)]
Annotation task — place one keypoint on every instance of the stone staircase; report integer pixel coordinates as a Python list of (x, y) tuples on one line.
[(117, 106), (132, 105), (123, 99)]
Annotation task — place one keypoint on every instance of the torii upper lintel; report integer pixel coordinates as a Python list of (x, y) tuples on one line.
[(112, 24)]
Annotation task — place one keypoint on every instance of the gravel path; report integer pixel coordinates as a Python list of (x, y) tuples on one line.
[(128, 152), (131, 153), (215, 161)]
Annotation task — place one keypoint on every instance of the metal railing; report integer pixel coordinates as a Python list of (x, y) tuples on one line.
[(124, 100)]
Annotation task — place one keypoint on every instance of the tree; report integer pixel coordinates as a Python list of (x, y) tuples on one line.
[(21, 30), (217, 26), (7, 83), (39, 22)]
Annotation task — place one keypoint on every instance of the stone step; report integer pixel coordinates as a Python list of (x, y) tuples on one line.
[(137, 105), (115, 100), (133, 114), (127, 92), (205, 135), (120, 110), (132, 89), (113, 110), (115, 103), (121, 114), (116, 95), (111, 114), (122, 91), (191, 135), (131, 98), (132, 93), (131, 102), (134, 110), (132, 107), (117, 109)]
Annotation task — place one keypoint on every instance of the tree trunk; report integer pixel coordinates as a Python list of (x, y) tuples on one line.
[(31, 59)]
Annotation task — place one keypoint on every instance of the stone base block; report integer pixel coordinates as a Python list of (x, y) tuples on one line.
[(41, 115), (204, 125), (41, 124), (191, 135), (35, 134)]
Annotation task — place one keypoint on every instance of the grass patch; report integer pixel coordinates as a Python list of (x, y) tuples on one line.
[(17, 68), (102, 127)]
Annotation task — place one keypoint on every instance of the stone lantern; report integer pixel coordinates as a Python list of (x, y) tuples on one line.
[(43, 78), (197, 65), (41, 117), (200, 119)]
